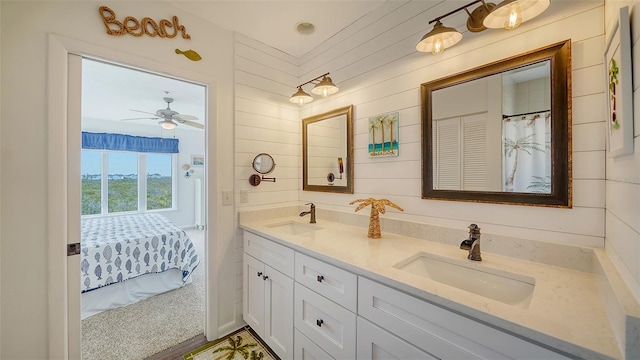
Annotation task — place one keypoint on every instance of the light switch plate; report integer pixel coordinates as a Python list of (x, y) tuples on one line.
[(227, 197), (244, 196)]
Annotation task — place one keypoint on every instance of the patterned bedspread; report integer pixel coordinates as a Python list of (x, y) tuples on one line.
[(118, 248)]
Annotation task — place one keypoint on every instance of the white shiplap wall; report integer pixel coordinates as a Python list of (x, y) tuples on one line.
[(375, 64), (623, 173), (265, 122)]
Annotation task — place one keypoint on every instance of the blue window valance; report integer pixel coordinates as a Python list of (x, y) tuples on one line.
[(105, 141)]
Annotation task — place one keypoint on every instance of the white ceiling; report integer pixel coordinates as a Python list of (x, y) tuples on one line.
[(274, 22)]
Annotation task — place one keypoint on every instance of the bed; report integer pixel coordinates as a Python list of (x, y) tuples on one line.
[(127, 258)]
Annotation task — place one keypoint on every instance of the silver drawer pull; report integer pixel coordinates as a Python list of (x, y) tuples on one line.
[(319, 322), (320, 278)]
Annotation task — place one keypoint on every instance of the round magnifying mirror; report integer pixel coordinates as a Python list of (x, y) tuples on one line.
[(263, 163)]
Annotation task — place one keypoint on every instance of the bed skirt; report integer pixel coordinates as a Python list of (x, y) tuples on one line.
[(130, 291)]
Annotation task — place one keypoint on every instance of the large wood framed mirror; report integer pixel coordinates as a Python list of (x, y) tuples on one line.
[(501, 133), (327, 151)]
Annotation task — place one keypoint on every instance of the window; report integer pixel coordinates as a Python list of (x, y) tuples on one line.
[(124, 181), (159, 182), (91, 169)]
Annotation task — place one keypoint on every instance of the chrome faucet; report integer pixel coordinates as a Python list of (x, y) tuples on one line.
[(312, 211), (472, 243)]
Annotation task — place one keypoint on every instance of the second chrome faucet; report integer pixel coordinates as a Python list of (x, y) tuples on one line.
[(311, 211)]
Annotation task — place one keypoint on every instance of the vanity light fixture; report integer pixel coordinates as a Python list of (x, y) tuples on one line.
[(511, 13), (324, 87), (508, 14)]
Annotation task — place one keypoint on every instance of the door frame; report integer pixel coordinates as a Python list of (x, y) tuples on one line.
[(64, 328)]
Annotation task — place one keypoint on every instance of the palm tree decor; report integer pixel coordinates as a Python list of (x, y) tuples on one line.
[(383, 144), (377, 207)]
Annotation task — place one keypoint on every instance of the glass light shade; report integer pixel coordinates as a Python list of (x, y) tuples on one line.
[(300, 97), (167, 124), (509, 14), (438, 39), (325, 87)]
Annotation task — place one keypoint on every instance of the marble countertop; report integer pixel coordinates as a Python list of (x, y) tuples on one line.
[(565, 313)]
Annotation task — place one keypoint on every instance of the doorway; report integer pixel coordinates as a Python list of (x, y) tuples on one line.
[(142, 193)]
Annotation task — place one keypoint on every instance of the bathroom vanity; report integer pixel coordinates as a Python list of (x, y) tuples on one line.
[(334, 293)]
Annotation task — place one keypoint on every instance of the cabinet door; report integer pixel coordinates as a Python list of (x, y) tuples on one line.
[(374, 343), (278, 319), (253, 288)]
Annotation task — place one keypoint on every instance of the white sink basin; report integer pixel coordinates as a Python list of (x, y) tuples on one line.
[(293, 227), (503, 286)]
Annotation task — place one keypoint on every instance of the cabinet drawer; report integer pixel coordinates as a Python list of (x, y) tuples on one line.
[(327, 324), (273, 254), (439, 331), (305, 349), (375, 343), (333, 283)]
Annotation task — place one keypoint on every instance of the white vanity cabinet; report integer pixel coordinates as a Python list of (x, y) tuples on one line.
[(287, 293), (267, 298)]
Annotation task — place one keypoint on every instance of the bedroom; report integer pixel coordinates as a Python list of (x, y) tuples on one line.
[(143, 214)]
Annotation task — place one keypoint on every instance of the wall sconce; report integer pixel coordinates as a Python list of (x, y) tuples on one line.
[(188, 170), (508, 14), (323, 87)]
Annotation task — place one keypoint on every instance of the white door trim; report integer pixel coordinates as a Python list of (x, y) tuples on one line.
[(63, 325)]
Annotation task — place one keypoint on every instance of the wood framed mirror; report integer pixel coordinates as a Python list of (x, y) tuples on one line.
[(501, 133), (327, 151)]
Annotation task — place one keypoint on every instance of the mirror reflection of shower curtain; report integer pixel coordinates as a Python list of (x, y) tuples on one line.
[(526, 161)]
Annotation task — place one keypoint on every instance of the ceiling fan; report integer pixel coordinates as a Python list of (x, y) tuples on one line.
[(169, 119)]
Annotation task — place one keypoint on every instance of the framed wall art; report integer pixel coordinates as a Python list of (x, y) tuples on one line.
[(617, 59), (197, 160), (383, 135)]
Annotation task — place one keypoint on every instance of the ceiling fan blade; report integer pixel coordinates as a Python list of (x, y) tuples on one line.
[(192, 123), (185, 117), (145, 112), (147, 118)]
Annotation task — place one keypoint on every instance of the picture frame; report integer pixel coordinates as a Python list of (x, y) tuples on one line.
[(619, 93), (384, 131), (197, 160)]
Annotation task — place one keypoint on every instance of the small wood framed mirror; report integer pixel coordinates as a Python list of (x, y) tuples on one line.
[(327, 151)]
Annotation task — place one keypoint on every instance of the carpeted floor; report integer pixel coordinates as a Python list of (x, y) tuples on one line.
[(147, 327)]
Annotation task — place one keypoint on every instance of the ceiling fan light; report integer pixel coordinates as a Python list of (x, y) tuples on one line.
[(509, 14), (167, 124), (438, 39), (300, 97), (325, 87)]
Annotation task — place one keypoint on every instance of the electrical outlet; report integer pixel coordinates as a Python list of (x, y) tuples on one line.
[(227, 197), (244, 196)]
